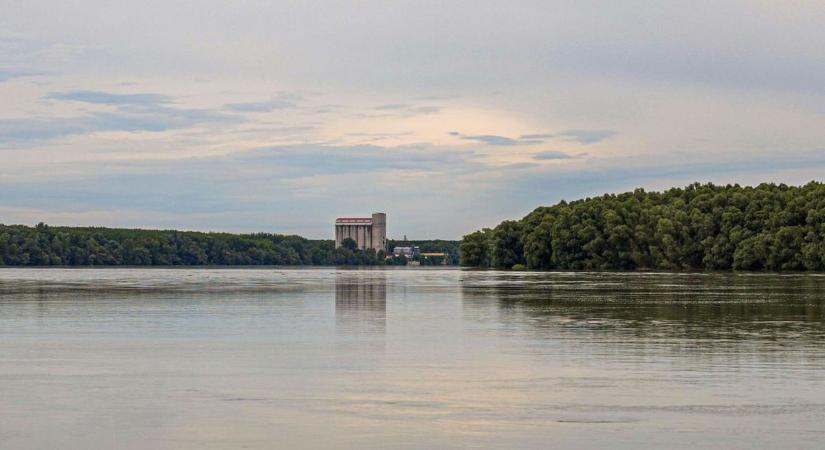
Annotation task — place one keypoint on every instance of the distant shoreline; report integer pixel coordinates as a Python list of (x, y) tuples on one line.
[(431, 268), (46, 246)]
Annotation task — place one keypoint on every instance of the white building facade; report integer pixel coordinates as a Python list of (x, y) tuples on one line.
[(367, 232)]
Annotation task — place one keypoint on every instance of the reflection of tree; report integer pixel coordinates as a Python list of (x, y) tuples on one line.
[(705, 306), (361, 300)]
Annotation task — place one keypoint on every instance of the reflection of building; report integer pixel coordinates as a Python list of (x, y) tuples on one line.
[(367, 232), (361, 300)]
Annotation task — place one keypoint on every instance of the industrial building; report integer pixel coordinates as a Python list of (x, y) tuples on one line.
[(409, 252), (367, 232)]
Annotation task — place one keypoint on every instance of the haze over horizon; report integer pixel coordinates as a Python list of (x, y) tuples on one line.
[(279, 116)]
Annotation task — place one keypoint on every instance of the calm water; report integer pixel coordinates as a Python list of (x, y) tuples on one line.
[(382, 359)]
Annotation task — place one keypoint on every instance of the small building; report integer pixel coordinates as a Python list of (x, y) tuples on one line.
[(409, 252), (437, 256), (367, 232)]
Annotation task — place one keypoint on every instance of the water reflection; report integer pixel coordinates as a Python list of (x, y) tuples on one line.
[(709, 310), (409, 358), (361, 301)]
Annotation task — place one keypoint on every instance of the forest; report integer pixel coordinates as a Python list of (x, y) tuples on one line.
[(770, 227), (45, 245)]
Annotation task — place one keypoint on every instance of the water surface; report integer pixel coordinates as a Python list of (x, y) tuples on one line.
[(409, 358)]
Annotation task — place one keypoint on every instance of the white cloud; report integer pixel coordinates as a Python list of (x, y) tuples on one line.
[(474, 111)]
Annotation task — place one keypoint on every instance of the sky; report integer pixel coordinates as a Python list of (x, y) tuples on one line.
[(450, 116)]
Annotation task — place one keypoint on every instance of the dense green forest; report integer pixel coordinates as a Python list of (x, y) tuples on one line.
[(700, 227), (45, 245)]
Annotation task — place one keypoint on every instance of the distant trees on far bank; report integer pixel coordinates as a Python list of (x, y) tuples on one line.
[(44, 245), (699, 227)]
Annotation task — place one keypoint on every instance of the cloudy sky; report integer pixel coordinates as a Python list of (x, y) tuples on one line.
[(449, 115)]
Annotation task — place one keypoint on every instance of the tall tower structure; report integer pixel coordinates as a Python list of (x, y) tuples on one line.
[(379, 231), (367, 232)]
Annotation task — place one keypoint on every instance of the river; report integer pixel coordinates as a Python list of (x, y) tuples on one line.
[(409, 359)]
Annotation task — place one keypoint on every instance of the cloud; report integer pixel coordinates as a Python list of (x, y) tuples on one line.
[(7, 75), (50, 128), (392, 106), (574, 74), (610, 175), (537, 136), (133, 113), (282, 100), (585, 137), (251, 190), (257, 185), (519, 166), (255, 107), (492, 139), (424, 109), (407, 110), (551, 155), (107, 98), (28, 54), (304, 160)]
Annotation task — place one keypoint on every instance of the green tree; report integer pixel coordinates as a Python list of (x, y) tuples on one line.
[(701, 226), (507, 248), (349, 244), (475, 249)]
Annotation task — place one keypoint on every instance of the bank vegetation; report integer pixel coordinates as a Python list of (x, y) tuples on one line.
[(699, 227)]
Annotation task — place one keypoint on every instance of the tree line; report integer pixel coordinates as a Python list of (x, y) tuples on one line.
[(44, 245), (699, 227)]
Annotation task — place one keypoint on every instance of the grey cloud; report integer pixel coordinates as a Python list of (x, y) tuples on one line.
[(7, 75), (779, 47), (424, 109), (392, 106), (159, 119), (283, 100), (627, 175), (254, 188), (29, 55), (551, 155), (559, 62), (375, 137), (303, 160), (407, 110), (492, 139), (520, 193), (233, 182), (107, 98), (260, 106), (43, 128), (586, 136), (132, 113), (519, 166)]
